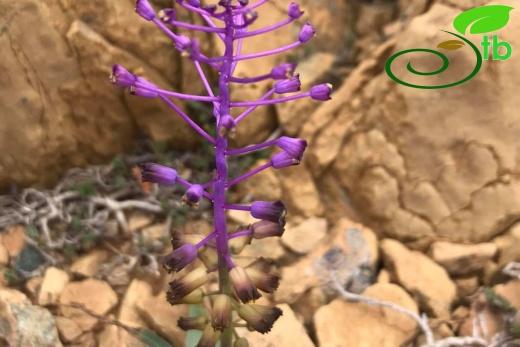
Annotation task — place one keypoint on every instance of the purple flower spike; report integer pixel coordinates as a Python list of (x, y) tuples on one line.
[(283, 159), (268, 210), (180, 258), (306, 33), (294, 11), (294, 147), (290, 85), (193, 195), (283, 71), (227, 126), (167, 15), (321, 92), (156, 173), (144, 9), (194, 3), (121, 77)]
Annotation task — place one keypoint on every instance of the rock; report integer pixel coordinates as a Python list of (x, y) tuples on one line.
[(466, 287), (508, 246), (269, 248), (264, 186), (374, 326), (349, 254), (305, 236), (372, 17), (112, 335), (161, 317), (14, 240), (89, 264), (300, 193), (32, 287), (4, 255), (138, 291), (287, 331), (462, 260), (420, 276), (68, 329), (510, 291), (138, 221), (53, 283), (383, 276), (23, 324), (88, 339), (81, 293), (308, 303), (154, 233)]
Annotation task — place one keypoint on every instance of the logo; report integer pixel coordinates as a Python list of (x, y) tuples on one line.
[(479, 20)]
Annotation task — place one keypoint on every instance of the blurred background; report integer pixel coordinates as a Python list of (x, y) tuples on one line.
[(405, 195)]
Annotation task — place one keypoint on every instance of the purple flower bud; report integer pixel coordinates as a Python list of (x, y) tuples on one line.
[(290, 85), (244, 288), (294, 11), (137, 90), (192, 49), (189, 323), (265, 228), (250, 17), (182, 42), (227, 126), (243, 3), (180, 258), (121, 77), (283, 159), (194, 3), (294, 147), (260, 318), (268, 210), (225, 3), (306, 33), (156, 173), (144, 9), (193, 195), (167, 15), (210, 8), (321, 92), (283, 71)]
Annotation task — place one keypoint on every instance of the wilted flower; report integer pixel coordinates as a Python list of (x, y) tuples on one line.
[(181, 287), (264, 280), (243, 286), (260, 318), (221, 313), (197, 322), (209, 337)]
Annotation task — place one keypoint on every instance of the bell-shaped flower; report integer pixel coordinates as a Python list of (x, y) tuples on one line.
[(283, 159), (321, 92), (293, 146), (283, 71), (121, 77), (144, 9), (221, 312), (155, 173), (289, 85), (244, 288), (193, 195), (306, 33), (265, 228), (180, 258), (294, 11), (260, 318), (269, 210)]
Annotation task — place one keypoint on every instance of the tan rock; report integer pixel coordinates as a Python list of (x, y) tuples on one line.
[(510, 291), (14, 240), (375, 326), (33, 286), (372, 17), (53, 283), (466, 286), (383, 276), (112, 335), (264, 186), (160, 316), (270, 248), (4, 255), (153, 233), (508, 246), (24, 324), (137, 292), (287, 331), (68, 329), (419, 275), (81, 293), (88, 339), (306, 235), (300, 193), (460, 260), (89, 264), (138, 221), (308, 303)]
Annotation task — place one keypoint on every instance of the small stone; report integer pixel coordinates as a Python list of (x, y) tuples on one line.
[(264, 186), (508, 246), (383, 276), (33, 286), (304, 237), (287, 331), (89, 264), (93, 294), (510, 291), (160, 316), (461, 260), (68, 329), (300, 193), (4, 255), (269, 248), (14, 240), (112, 336), (138, 221), (53, 283), (421, 276), (466, 287), (128, 314), (240, 217), (153, 233), (374, 326)]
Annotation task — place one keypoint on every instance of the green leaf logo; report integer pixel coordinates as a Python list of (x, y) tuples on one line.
[(451, 45), (482, 19)]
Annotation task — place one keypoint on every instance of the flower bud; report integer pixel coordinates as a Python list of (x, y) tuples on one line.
[(268, 210), (321, 92), (189, 323), (244, 288), (243, 3), (290, 85), (209, 257), (181, 287), (180, 258), (295, 147), (250, 17), (306, 33), (193, 298), (227, 126), (241, 342), (167, 15), (209, 337), (192, 49), (144, 9), (283, 159), (283, 71), (192, 195), (194, 3), (260, 318), (121, 77), (155, 173), (264, 280), (221, 313), (266, 228), (138, 90), (294, 11), (182, 42), (210, 8)]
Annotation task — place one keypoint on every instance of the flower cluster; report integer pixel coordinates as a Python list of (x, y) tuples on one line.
[(239, 286)]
